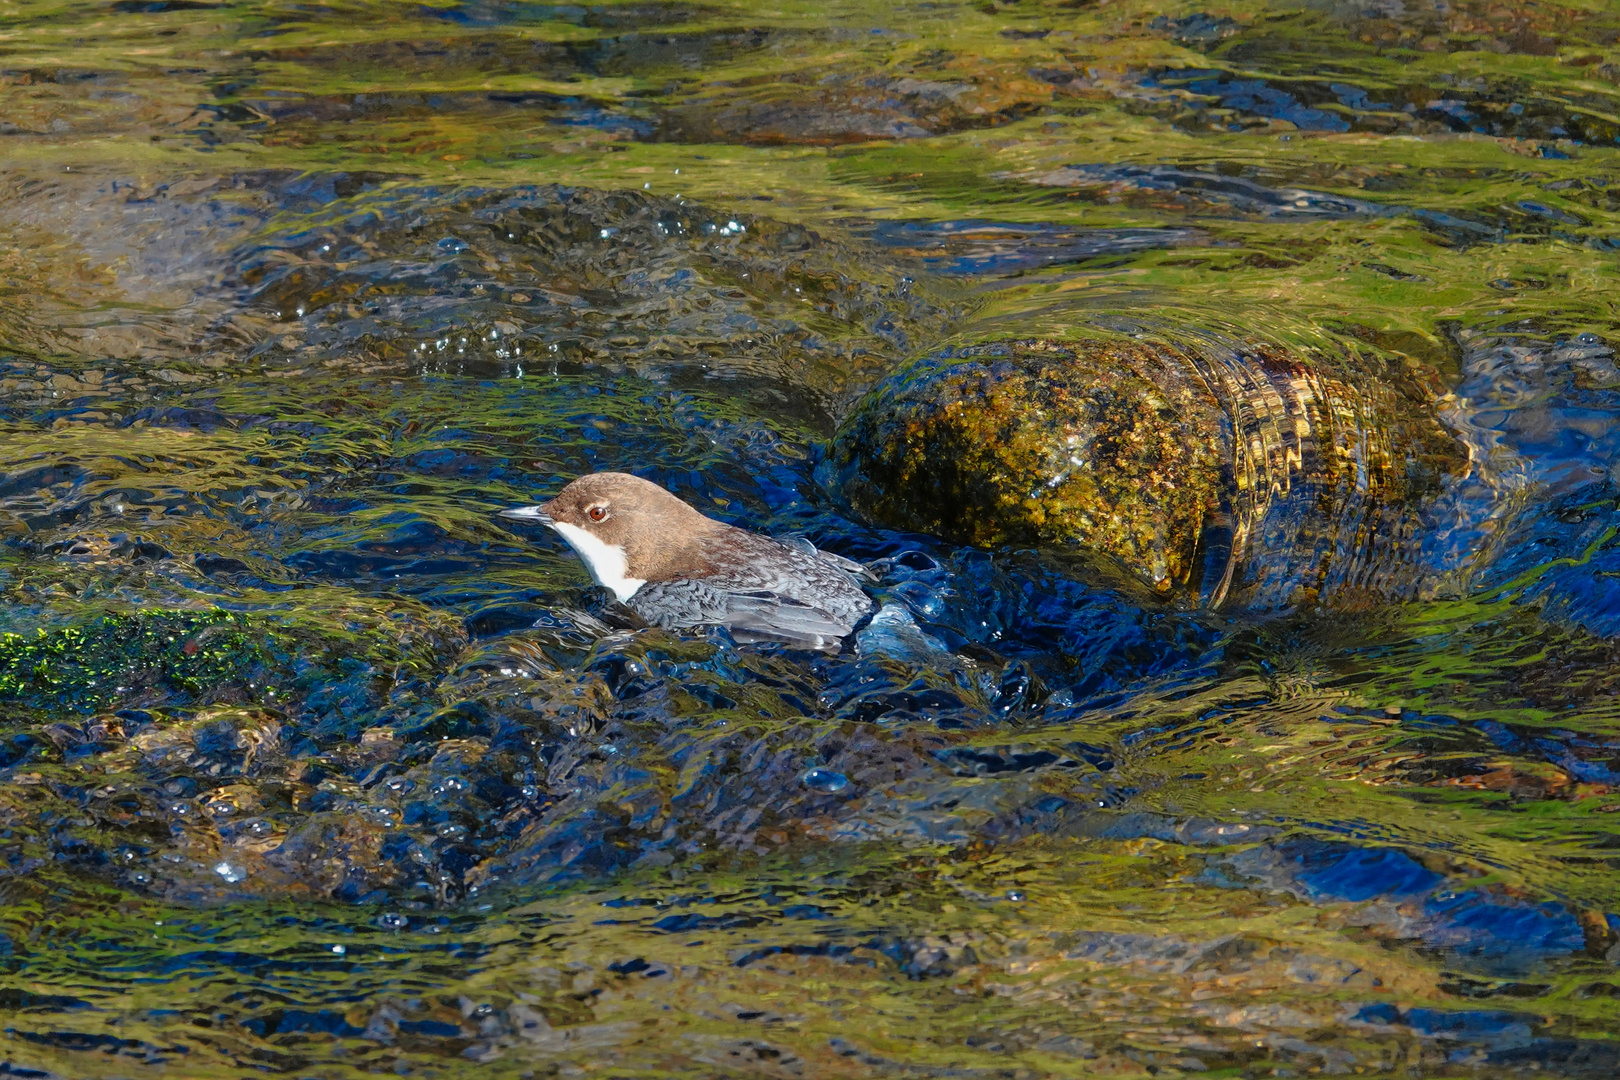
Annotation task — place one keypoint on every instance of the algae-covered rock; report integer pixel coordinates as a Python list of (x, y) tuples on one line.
[(1114, 449), (1255, 475), (338, 660)]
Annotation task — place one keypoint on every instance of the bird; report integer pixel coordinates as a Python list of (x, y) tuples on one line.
[(679, 569)]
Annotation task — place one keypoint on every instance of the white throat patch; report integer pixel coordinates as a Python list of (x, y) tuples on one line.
[(606, 562)]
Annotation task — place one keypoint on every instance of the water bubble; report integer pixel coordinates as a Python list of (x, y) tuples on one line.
[(921, 598), (393, 921), (340, 949), (221, 808), (451, 831), (825, 780), (141, 877), (261, 828), (180, 809), (451, 246), (230, 872), (1016, 896), (400, 784), (530, 791)]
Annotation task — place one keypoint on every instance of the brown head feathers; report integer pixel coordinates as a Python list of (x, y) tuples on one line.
[(660, 536)]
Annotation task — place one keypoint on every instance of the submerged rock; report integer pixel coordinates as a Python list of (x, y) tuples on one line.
[(850, 107), (1257, 477)]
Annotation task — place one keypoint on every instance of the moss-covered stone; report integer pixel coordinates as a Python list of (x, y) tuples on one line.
[(1109, 447), (1253, 474), (187, 657)]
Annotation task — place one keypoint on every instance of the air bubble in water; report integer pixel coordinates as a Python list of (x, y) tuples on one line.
[(825, 780)]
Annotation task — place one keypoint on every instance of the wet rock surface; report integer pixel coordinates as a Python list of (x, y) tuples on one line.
[(1111, 450), (1251, 475)]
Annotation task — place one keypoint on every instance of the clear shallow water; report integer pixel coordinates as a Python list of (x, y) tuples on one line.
[(311, 767)]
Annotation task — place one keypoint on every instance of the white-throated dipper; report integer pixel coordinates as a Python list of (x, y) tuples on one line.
[(678, 569)]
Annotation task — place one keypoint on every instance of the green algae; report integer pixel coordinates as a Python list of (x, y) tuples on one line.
[(197, 657), (112, 659)]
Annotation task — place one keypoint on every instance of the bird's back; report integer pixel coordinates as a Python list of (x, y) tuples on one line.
[(760, 587)]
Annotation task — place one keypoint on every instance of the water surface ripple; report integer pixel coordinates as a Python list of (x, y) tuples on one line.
[(312, 766)]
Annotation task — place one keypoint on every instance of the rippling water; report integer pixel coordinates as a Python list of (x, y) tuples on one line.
[(312, 766)]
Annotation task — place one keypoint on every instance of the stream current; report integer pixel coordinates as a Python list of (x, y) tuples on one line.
[(312, 766)]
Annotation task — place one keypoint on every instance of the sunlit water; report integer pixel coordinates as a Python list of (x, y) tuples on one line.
[(314, 767)]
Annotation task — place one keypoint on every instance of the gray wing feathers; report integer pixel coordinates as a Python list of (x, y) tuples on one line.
[(781, 619), (802, 546), (847, 566), (683, 604), (764, 589)]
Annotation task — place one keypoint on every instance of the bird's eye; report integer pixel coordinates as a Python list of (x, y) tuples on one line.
[(596, 513)]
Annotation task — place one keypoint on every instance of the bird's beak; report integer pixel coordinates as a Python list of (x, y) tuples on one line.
[(540, 515)]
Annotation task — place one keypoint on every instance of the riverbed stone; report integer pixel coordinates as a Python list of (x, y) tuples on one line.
[(1247, 474), (1111, 447)]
